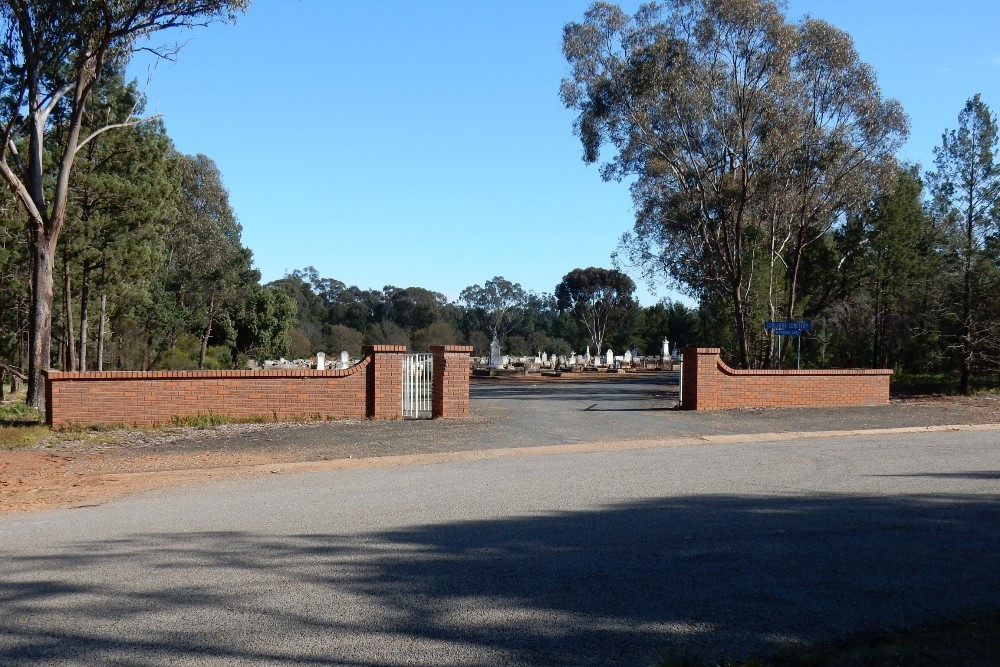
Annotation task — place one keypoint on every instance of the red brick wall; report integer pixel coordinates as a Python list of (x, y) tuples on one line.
[(450, 398), (371, 389), (709, 384), (159, 397)]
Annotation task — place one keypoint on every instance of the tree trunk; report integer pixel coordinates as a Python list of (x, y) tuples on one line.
[(40, 334), (966, 344), (207, 334), (742, 339), (70, 364), (84, 315), (100, 332)]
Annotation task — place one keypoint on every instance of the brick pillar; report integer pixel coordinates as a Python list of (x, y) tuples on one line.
[(385, 381), (450, 398), (700, 371)]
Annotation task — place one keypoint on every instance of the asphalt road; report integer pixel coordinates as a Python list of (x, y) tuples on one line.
[(606, 558)]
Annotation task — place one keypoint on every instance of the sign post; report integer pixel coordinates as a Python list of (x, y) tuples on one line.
[(789, 328)]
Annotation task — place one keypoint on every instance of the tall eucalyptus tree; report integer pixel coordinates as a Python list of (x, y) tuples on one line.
[(52, 55), (747, 137)]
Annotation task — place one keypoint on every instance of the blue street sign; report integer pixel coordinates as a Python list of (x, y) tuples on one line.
[(792, 328)]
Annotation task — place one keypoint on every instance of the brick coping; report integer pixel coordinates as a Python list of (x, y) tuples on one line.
[(62, 376), (452, 348), (729, 370), (808, 372)]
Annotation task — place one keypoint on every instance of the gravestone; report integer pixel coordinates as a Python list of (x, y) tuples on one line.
[(627, 358), (320, 361), (666, 348), (545, 357), (586, 357), (504, 361), (610, 357), (495, 360)]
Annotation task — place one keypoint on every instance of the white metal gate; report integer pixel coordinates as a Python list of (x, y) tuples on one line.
[(418, 380)]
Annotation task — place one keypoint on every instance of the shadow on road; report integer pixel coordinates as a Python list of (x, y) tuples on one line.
[(714, 575)]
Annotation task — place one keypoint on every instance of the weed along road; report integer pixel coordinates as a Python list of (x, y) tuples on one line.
[(600, 558)]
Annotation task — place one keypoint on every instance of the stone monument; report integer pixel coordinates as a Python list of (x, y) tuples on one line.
[(495, 360)]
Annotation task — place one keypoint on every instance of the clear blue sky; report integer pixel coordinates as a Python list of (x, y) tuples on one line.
[(423, 142)]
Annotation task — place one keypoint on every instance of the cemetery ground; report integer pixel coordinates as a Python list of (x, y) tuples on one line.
[(517, 416)]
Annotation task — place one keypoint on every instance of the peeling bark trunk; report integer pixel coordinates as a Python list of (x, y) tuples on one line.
[(84, 315), (40, 354), (207, 334)]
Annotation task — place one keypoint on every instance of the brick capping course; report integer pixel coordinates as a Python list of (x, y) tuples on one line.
[(710, 384), (61, 376), (452, 348), (383, 348)]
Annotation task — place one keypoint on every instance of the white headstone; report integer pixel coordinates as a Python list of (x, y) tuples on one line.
[(611, 357), (666, 348), (321, 361), (504, 361), (545, 357), (586, 357), (627, 358)]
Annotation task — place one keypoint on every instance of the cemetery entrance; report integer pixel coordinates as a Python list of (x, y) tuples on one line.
[(418, 380)]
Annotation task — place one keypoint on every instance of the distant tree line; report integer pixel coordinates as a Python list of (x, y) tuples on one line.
[(333, 317)]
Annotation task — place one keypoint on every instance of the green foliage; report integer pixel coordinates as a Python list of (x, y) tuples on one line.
[(299, 345), (499, 304), (597, 298), (185, 355), (263, 327), (19, 411), (748, 139), (340, 338), (387, 332), (438, 333), (55, 58), (966, 200), (182, 356)]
